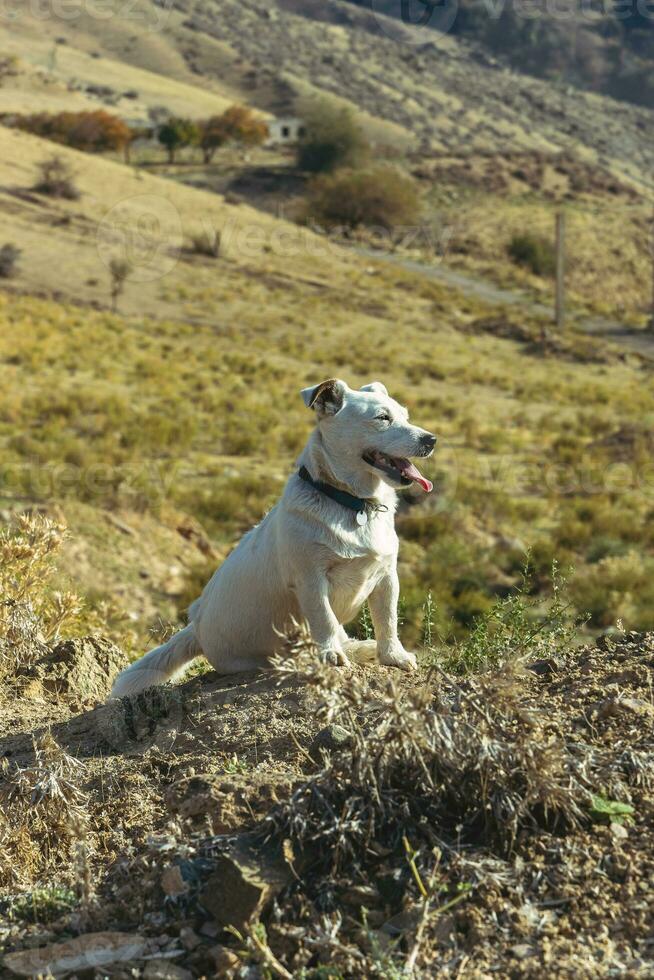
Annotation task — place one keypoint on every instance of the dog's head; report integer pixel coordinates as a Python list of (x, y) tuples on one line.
[(366, 432)]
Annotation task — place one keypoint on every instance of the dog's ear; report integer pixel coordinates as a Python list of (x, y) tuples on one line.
[(326, 398), (375, 386)]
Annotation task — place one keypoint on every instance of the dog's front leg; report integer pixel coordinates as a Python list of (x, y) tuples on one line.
[(382, 603), (313, 596)]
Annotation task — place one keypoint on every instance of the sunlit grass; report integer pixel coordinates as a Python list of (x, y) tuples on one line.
[(175, 418)]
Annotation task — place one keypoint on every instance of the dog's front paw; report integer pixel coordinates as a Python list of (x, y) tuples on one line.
[(336, 658), (399, 658)]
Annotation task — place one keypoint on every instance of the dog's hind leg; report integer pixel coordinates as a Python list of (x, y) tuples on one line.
[(158, 666)]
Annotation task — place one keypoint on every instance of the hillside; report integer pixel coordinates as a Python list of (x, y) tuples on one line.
[(439, 93), (490, 815), (441, 90), (608, 48), (82, 62), (177, 420)]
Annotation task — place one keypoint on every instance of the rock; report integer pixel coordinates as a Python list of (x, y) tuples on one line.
[(165, 970), (405, 921), (619, 831), (84, 668), (227, 800), (544, 667), (362, 895), (612, 707), (173, 883), (522, 951), (241, 886), (189, 938), (225, 960), (152, 718), (329, 739), (96, 949)]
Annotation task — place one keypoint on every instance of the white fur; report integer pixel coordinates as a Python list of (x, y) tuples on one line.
[(308, 559)]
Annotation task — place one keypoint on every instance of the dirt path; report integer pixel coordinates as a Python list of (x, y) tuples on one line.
[(638, 341)]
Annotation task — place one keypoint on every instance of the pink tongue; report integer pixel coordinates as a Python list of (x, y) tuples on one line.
[(413, 473)]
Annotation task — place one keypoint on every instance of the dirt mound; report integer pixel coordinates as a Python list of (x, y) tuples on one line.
[(81, 669), (499, 823)]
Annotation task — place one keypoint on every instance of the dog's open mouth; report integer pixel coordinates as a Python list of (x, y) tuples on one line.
[(399, 469)]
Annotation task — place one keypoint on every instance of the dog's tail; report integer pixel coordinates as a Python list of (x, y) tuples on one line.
[(362, 651), (158, 666)]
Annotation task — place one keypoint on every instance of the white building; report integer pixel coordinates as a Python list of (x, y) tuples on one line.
[(285, 130)]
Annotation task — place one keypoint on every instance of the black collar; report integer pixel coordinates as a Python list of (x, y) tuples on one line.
[(360, 505)]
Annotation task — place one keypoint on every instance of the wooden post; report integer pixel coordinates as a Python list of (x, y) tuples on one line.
[(560, 269)]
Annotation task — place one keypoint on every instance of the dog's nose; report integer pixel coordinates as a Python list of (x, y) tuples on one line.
[(428, 442)]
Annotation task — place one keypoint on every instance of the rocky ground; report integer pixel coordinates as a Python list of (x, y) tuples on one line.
[(317, 824)]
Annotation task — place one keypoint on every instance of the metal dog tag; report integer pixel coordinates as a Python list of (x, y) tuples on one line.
[(362, 517)]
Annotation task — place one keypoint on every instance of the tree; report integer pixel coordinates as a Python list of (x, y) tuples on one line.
[(212, 137), (238, 124), (177, 133), (381, 197), (119, 270), (97, 132), (93, 132), (332, 139)]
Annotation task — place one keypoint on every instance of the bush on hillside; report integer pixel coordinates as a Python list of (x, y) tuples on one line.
[(31, 612), (56, 178), (332, 139), (533, 252), (9, 256), (93, 132), (119, 270), (206, 242), (381, 197)]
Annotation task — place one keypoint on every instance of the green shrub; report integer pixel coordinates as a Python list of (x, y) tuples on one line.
[(9, 256), (332, 138), (381, 197), (176, 134), (56, 179), (533, 252)]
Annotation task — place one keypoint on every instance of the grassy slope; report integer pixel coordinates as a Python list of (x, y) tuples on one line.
[(477, 204), (117, 53), (169, 418), (187, 404), (467, 212)]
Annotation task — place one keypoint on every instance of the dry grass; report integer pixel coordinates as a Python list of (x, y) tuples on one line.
[(44, 816), (536, 451), (608, 239), (428, 805), (450, 804), (30, 613)]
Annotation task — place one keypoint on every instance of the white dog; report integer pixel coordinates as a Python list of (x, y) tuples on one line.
[(326, 547)]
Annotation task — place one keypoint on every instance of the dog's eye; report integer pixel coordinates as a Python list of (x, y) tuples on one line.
[(382, 418)]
